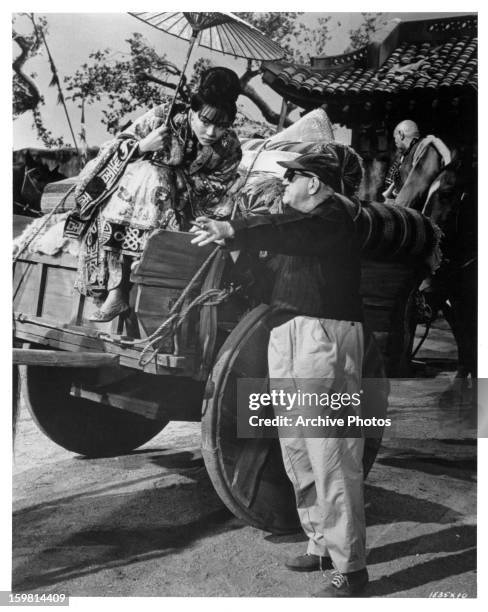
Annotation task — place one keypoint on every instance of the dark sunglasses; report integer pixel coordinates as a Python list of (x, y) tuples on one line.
[(291, 173)]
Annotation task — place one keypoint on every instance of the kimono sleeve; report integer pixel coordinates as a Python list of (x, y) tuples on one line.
[(146, 123), (210, 184)]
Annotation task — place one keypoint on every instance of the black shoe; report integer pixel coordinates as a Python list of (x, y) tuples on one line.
[(345, 585), (308, 563)]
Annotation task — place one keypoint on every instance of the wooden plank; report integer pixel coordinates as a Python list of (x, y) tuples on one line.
[(26, 283), (68, 340), (59, 294), (152, 307), (169, 260), (148, 409), (124, 360), (165, 398), (39, 357)]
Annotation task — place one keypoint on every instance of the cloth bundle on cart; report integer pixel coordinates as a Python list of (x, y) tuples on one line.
[(386, 231)]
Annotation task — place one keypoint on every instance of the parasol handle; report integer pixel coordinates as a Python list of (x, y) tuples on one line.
[(193, 39)]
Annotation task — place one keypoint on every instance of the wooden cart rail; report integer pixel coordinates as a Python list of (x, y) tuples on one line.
[(75, 338), (55, 359)]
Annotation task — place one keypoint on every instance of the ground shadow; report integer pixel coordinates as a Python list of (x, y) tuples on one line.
[(186, 463), (145, 524), (178, 460), (461, 469), (290, 538), (460, 441), (386, 506), (424, 573), (453, 539), (143, 451), (102, 549)]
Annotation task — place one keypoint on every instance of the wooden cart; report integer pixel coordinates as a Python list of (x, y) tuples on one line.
[(94, 388)]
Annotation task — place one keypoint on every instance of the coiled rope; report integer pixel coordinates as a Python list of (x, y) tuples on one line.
[(212, 297)]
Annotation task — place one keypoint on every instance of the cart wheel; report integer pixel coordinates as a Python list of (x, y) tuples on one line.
[(80, 425), (248, 474)]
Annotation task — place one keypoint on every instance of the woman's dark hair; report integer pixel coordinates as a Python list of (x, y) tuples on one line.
[(346, 166), (219, 87)]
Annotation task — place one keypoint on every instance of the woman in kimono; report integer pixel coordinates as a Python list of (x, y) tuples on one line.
[(153, 177)]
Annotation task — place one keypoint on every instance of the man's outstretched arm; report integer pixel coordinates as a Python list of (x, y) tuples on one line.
[(292, 234)]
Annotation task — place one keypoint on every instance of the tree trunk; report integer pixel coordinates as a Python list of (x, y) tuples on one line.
[(32, 93), (268, 113)]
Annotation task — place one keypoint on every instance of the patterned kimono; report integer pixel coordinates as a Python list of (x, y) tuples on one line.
[(123, 196)]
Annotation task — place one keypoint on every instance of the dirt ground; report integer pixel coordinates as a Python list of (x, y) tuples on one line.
[(150, 524)]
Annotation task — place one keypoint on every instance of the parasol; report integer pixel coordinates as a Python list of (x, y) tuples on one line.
[(222, 32)]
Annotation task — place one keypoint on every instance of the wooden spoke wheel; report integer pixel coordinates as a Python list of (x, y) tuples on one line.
[(80, 425), (248, 474)]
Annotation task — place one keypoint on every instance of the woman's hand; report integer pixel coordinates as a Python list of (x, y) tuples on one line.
[(208, 230), (155, 140)]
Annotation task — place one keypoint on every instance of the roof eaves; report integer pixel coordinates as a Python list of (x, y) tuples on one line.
[(376, 53)]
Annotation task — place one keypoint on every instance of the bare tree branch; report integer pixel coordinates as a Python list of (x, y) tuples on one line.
[(249, 74), (153, 79), (32, 92), (268, 113), (184, 92)]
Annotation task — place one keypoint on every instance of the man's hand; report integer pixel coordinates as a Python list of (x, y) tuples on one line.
[(208, 230), (155, 140)]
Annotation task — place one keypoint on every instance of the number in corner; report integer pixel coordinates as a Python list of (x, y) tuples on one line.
[(49, 598)]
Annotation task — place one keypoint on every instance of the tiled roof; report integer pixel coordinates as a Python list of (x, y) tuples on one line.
[(427, 66)]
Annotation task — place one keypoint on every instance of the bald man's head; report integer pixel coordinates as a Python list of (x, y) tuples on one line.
[(404, 133)]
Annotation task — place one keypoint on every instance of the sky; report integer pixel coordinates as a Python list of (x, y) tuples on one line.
[(73, 36)]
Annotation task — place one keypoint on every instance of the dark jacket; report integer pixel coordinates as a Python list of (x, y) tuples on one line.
[(318, 272)]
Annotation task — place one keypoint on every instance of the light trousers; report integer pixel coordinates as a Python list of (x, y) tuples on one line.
[(326, 472)]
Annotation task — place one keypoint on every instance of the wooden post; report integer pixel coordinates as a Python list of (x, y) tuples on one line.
[(41, 288), (283, 113)]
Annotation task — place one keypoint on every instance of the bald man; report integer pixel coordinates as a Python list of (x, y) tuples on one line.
[(406, 136), (418, 162)]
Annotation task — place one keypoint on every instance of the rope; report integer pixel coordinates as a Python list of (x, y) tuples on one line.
[(212, 297)]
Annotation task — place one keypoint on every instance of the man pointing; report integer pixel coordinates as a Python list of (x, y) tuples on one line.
[(316, 316)]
